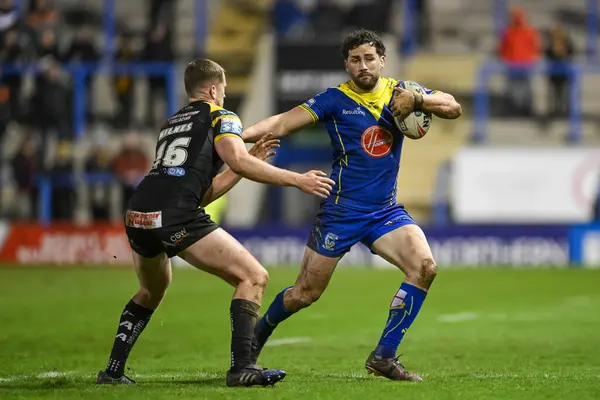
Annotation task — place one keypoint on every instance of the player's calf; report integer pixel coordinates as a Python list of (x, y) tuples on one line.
[(315, 273), (154, 275), (289, 301)]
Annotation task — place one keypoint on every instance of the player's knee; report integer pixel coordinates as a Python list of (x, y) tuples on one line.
[(427, 272), (259, 278), (150, 298), (262, 278)]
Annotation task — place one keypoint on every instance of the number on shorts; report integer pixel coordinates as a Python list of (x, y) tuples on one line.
[(175, 154)]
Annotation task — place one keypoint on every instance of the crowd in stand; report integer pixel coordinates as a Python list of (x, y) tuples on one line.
[(39, 106), (51, 37), (522, 45)]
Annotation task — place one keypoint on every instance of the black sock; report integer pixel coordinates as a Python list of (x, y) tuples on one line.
[(133, 321), (244, 314)]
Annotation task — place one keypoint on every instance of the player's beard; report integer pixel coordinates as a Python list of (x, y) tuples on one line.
[(366, 82)]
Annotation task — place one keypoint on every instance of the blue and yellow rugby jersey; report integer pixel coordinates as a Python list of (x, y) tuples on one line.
[(366, 144)]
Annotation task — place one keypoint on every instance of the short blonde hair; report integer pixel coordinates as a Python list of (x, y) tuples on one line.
[(199, 72)]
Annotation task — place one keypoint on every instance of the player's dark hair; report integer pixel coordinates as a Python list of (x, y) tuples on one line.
[(362, 36), (199, 72)]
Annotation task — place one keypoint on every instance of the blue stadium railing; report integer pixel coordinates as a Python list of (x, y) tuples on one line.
[(79, 72), (492, 68), (408, 44), (109, 24), (487, 70)]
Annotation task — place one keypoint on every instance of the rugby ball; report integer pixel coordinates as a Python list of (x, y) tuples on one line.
[(417, 124)]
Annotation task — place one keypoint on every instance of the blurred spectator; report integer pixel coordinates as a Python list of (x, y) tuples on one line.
[(520, 48), (9, 53), (124, 83), (47, 44), (24, 168), (50, 106), (130, 165), (162, 12), (99, 162), (63, 196), (158, 48), (9, 16), (83, 50), (42, 15), (559, 51), (15, 46)]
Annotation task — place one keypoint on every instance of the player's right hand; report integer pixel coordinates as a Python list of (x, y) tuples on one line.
[(315, 182)]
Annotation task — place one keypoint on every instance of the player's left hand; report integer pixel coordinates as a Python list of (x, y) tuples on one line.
[(263, 149), (403, 103)]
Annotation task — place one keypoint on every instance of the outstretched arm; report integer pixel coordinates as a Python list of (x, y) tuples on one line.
[(234, 153), (279, 125), (227, 179)]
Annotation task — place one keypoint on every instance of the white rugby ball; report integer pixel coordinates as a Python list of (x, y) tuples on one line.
[(417, 124)]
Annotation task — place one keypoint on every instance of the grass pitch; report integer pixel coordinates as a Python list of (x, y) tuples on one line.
[(482, 334)]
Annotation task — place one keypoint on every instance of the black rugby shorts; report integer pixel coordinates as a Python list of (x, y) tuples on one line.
[(151, 233)]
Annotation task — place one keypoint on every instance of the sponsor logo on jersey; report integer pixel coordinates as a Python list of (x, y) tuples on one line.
[(174, 129), (177, 118), (376, 141), (231, 125), (176, 171), (356, 111), (143, 220)]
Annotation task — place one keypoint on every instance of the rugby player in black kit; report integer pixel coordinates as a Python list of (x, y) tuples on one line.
[(165, 218)]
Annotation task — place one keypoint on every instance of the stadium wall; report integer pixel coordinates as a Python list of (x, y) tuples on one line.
[(453, 246)]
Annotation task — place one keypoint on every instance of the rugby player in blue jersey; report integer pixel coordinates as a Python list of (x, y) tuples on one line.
[(359, 117)]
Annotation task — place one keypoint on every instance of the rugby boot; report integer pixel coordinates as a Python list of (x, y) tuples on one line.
[(254, 376), (390, 368), (105, 379)]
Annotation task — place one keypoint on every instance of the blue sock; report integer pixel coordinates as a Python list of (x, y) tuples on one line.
[(275, 314), (404, 309)]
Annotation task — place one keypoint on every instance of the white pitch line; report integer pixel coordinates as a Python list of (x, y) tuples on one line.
[(347, 375), (43, 375), (189, 375), (286, 341), (460, 317), (52, 374)]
